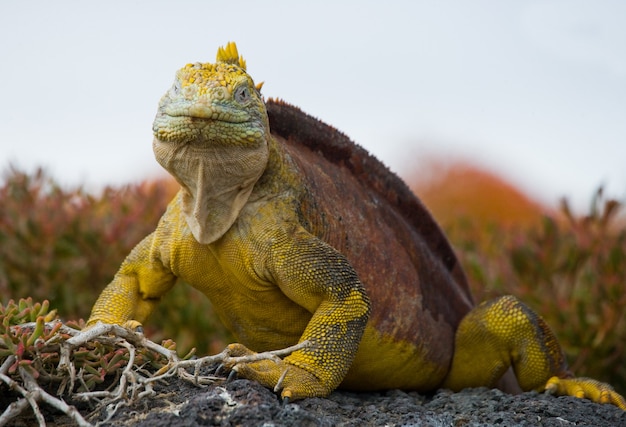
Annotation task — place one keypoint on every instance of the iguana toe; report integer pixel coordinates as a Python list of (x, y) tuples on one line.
[(238, 350), (133, 325), (585, 388)]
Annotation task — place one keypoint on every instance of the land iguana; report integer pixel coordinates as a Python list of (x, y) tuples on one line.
[(295, 233)]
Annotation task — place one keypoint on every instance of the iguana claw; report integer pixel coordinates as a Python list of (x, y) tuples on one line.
[(220, 370), (232, 376)]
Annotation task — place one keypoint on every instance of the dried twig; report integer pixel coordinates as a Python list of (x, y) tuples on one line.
[(133, 383), (32, 394)]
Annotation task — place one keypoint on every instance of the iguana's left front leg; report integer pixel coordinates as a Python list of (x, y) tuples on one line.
[(320, 279)]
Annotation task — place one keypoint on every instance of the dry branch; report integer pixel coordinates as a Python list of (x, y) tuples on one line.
[(126, 352)]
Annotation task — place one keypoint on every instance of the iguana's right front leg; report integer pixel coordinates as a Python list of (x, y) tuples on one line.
[(135, 290)]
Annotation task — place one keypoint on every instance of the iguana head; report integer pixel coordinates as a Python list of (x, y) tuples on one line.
[(211, 133)]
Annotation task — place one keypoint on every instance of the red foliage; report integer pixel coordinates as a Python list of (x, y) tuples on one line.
[(462, 190)]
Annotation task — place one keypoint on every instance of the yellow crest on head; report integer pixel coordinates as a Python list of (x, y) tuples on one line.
[(229, 55)]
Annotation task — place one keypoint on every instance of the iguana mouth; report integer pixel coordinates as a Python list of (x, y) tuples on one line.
[(208, 112), (189, 124)]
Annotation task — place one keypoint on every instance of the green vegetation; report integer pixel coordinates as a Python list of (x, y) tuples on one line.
[(33, 335), (42, 358)]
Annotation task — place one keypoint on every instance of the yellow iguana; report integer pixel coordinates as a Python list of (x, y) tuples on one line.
[(299, 234)]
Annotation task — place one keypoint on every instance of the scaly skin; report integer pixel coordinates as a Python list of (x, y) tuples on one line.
[(287, 246)]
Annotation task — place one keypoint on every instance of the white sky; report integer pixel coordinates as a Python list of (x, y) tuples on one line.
[(533, 90)]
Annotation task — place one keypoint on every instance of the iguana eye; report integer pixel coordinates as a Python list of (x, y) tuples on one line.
[(242, 94), (175, 89)]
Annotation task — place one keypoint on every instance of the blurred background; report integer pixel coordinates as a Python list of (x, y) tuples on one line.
[(532, 91), (507, 118)]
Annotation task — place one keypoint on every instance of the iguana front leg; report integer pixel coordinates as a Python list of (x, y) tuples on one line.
[(504, 332), (135, 290), (320, 279)]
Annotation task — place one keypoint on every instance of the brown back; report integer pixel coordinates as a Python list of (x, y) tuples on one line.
[(364, 210)]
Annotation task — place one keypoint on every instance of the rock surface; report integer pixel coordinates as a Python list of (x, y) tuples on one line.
[(245, 403)]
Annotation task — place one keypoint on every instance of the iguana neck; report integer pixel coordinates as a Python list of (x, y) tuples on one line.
[(280, 178), (216, 182)]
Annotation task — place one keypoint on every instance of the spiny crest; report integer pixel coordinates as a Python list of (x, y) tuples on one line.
[(229, 55)]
